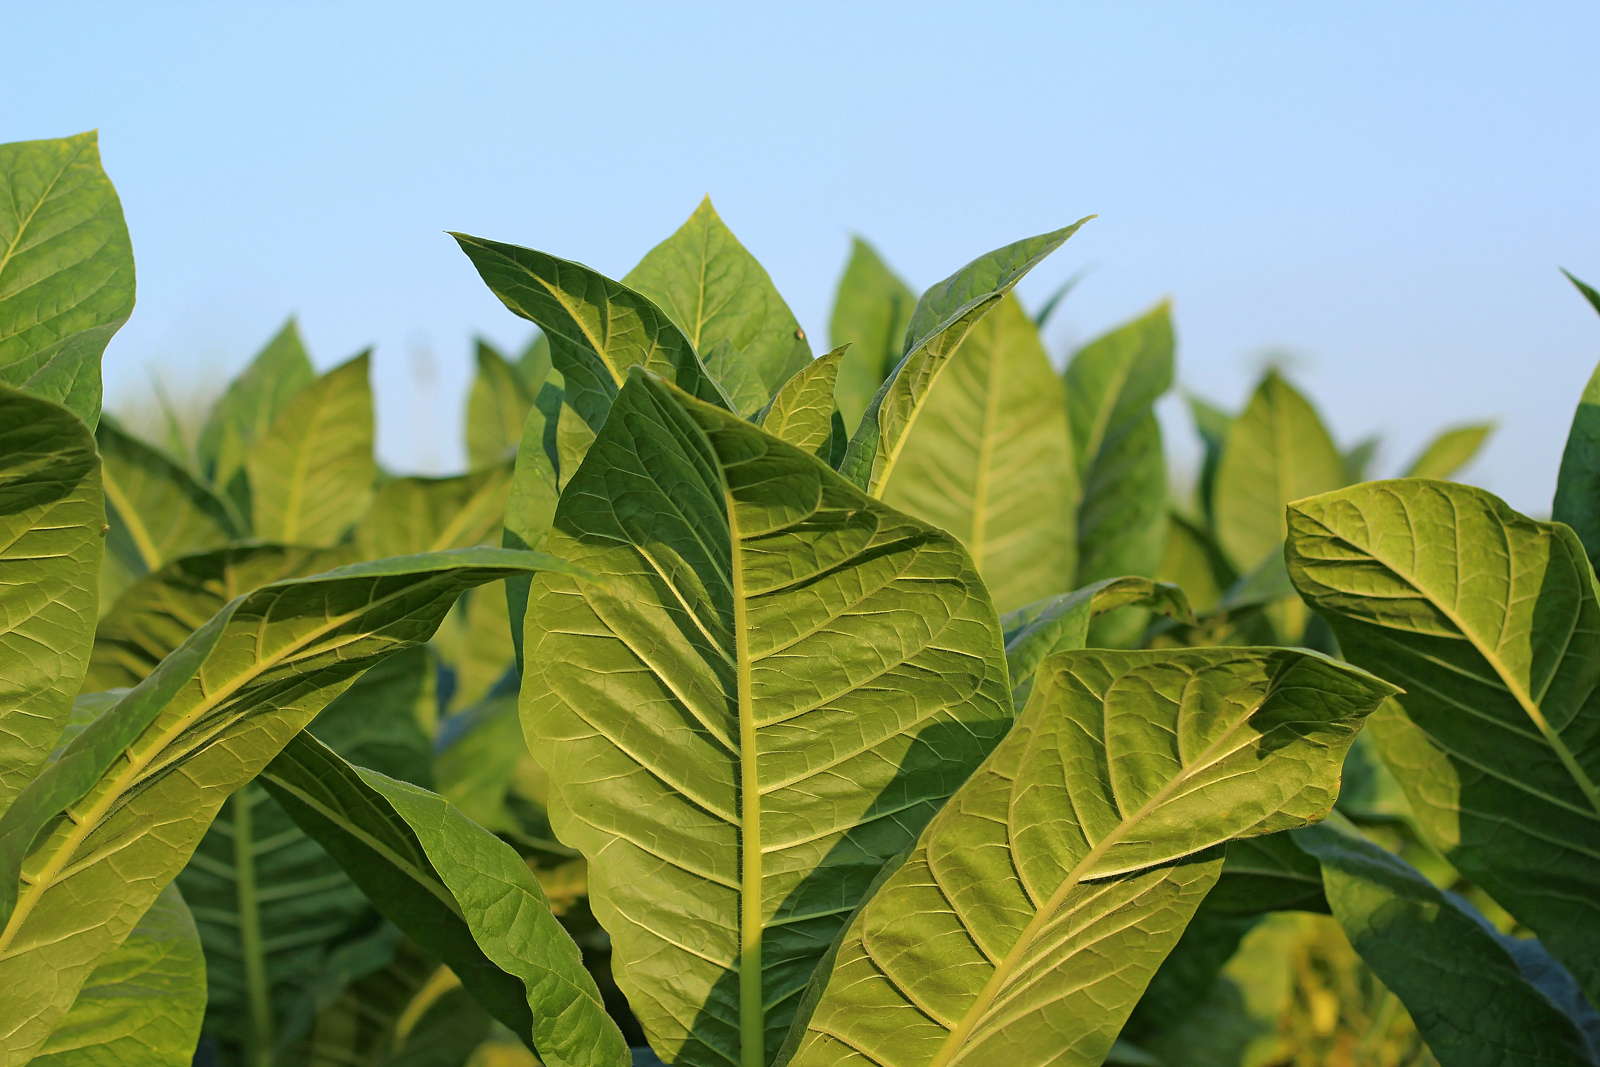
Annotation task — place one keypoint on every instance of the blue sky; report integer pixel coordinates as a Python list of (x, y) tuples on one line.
[(1385, 190)]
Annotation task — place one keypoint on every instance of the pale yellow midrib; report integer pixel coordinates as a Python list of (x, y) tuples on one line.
[(90, 821), (752, 1013)]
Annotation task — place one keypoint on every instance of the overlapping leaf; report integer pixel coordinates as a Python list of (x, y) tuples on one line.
[(990, 460), (768, 686), (1464, 990), (91, 841), (1037, 905), (66, 270), (802, 411), (463, 894), (1489, 621), (51, 518)]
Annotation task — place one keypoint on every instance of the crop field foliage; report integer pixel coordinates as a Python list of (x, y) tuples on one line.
[(748, 703)]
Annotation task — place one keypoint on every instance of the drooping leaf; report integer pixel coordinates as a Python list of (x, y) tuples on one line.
[(497, 405), (91, 841), (939, 323), (1038, 903), (1112, 386), (156, 511), (251, 403), (143, 1003), (51, 519), (802, 411), (1489, 620), (598, 328), (1278, 450), (768, 686), (1463, 989), (1061, 623), (1577, 501), (1449, 451), (721, 298), (871, 310), (459, 891), (311, 474), (419, 514), (66, 270), (275, 912), (990, 460)]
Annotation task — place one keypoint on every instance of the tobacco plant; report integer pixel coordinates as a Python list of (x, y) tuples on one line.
[(741, 705)]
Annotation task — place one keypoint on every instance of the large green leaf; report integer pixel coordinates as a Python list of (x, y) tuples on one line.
[(1463, 988), (1449, 451), (1489, 621), (142, 1004), (990, 460), (156, 511), (1278, 450), (725, 303), (66, 270), (1037, 905), (871, 310), (463, 894), (51, 519), (1577, 501), (939, 323), (91, 841), (598, 328), (251, 403), (1113, 384), (770, 683), (311, 473), (497, 406), (802, 411)]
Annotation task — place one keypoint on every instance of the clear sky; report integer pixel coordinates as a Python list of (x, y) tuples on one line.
[(1385, 190)]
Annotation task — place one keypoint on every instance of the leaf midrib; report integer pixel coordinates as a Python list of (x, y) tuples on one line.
[(752, 1013), (133, 767)]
